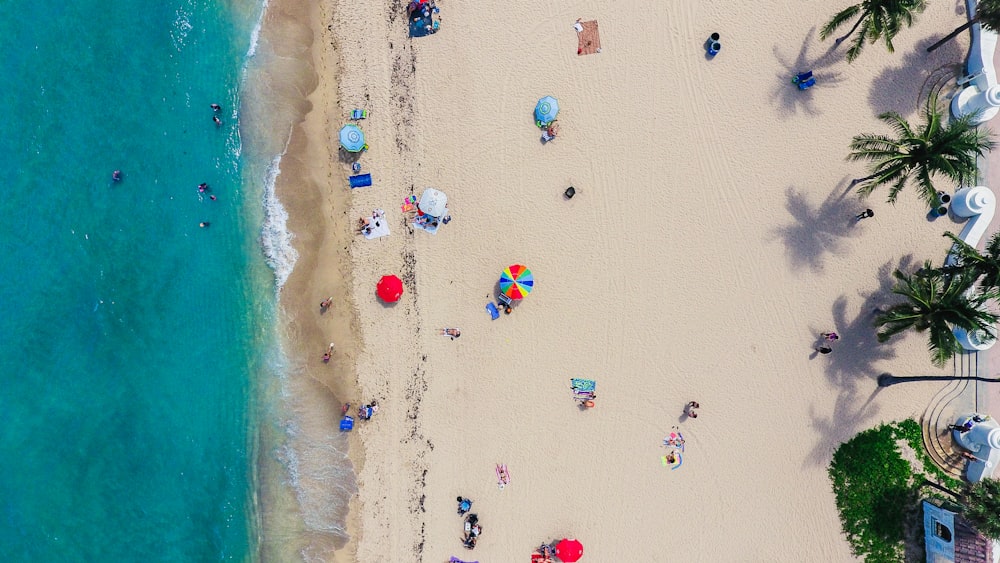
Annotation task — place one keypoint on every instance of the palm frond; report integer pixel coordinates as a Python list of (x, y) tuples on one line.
[(838, 20)]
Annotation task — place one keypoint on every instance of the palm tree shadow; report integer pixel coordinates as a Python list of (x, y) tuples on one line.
[(908, 85), (814, 233), (788, 94), (854, 360)]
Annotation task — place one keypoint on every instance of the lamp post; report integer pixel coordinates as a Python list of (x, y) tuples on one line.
[(887, 379)]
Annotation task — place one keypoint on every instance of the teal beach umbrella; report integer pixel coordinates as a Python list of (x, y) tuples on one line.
[(352, 138), (546, 111)]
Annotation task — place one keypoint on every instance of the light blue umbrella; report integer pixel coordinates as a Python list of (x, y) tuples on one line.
[(546, 111), (352, 138)]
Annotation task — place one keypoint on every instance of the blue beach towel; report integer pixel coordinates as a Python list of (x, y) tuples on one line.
[(492, 310), (361, 180)]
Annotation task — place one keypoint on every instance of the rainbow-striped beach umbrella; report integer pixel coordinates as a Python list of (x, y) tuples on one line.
[(516, 281)]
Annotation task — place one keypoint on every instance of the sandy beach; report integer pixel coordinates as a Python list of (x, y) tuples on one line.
[(710, 242)]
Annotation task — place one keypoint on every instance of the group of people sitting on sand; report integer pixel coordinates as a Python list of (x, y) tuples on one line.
[(472, 527), (544, 554), (423, 11), (366, 224), (366, 412)]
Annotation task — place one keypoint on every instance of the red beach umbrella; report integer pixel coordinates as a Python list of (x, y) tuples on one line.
[(389, 288), (569, 551)]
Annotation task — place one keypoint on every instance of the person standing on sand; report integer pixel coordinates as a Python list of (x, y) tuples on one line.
[(831, 336), (325, 304), (329, 352), (689, 409), (864, 215)]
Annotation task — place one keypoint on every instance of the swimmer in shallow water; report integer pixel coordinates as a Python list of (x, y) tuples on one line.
[(116, 175), (216, 107)]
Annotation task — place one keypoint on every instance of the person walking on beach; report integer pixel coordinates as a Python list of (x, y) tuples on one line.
[(689, 409), (830, 336), (329, 352), (962, 429), (864, 215), (325, 304)]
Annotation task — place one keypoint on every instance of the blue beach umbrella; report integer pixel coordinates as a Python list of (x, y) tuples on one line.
[(546, 111), (352, 138)]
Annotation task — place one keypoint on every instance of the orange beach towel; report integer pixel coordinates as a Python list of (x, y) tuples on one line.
[(589, 38)]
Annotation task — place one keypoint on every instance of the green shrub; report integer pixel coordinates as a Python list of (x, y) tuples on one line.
[(878, 491)]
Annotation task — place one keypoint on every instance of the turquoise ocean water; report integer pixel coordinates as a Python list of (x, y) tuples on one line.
[(132, 340)]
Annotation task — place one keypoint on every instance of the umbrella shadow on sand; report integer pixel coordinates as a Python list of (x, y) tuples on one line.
[(817, 232), (853, 363), (788, 94)]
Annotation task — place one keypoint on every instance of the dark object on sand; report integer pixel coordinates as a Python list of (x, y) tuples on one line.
[(570, 192)]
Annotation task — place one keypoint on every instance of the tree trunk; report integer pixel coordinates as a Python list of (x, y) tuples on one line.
[(887, 379), (857, 181), (853, 29), (952, 35)]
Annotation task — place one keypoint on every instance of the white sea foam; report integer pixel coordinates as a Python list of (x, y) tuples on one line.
[(255, 34), (275, 238)]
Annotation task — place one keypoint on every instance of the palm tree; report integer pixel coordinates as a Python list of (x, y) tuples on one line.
[(987, 14), (982, 507), (985, 267), (881, 19), (936, 148), (937, 303)]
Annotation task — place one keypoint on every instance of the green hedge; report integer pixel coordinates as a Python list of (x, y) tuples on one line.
[(878, 492)]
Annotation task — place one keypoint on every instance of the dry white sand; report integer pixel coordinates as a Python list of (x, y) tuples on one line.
[(709, 244)]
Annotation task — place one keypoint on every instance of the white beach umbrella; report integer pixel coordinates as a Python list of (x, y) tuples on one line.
[(433, 202)]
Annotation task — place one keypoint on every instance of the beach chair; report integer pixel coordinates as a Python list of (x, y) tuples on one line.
[(361, 180), (808, 83), (503, 300), (492, 310), (359, 114), (347, 424), (802, 77)]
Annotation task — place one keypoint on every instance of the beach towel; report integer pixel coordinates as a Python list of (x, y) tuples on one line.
[(492, 310), (678, 460), (503, 476), (360, 180), (583, 384), (457, 560), (379, 228), (589, 39)]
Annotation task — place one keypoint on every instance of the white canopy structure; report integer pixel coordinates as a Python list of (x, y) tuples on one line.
[(433, 203)]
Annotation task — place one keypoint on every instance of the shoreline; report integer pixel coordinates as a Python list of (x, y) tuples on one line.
[(308, 484)]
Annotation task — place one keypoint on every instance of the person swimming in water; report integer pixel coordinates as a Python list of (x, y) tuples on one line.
[(116, 175), (216, 107), (204, 224), (217, 121), (203, 187)]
